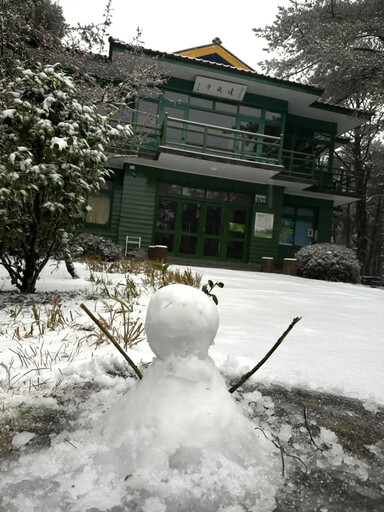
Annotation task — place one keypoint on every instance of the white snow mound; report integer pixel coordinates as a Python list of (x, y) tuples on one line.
[(180, 425), (181, 320), (176, 441)]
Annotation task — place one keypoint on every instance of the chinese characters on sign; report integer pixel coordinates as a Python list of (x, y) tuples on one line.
[(264, 225), (219, 88)]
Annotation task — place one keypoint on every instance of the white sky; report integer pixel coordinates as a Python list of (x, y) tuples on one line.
[(170, 26)]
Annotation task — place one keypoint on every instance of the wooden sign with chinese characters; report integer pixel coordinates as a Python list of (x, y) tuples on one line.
[(219, 88)]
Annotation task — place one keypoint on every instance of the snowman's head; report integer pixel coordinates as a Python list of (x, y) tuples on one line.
[(181, 320)]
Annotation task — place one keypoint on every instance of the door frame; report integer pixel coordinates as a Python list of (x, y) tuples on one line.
[(225, 238)]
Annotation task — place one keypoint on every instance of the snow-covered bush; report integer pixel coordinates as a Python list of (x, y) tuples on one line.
[(138, 253), (86, 244), (53, 156), (329, 262)]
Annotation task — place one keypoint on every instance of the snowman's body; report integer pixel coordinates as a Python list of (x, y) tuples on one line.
[(181, 417)]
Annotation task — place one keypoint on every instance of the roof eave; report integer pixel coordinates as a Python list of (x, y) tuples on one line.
[(309, 89)]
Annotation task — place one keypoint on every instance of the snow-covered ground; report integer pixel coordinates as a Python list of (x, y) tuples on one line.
[(336, 348)]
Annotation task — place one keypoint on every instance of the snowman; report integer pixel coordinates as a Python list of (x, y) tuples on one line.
[(180, 419)]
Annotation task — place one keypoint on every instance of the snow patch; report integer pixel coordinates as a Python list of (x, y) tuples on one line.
[(60, 142), (8, 113), (22, 438)]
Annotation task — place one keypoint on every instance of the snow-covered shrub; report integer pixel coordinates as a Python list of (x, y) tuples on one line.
[(53, 156), (329, 262), (138, 253), (86, 244)]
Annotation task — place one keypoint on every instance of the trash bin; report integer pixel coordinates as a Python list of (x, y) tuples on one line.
[(289, 266), (267, 264), (158, 253)]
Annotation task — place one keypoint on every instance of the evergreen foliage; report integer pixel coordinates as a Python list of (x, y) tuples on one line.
[(338, 45), (329, 262), (334, 44), (27, 26), (53, 155), (95, 246)]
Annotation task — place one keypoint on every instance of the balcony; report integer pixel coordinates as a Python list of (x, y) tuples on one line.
[(337, 180), (331, 180), (298, 165), (237, 147), (222, 142)]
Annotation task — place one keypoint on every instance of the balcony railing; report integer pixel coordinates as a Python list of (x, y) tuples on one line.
[(298, 165), (145, 139), (220, 141), (236, 144), (337, 180)]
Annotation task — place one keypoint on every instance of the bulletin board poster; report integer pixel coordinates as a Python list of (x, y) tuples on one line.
[(264, 225), (287, 231)]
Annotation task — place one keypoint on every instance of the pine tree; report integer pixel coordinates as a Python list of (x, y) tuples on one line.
[(338, 45)]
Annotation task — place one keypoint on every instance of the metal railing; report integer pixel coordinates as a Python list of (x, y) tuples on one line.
[(328, 179), (145, 139), (221, 141), (336, 180), (298, 165), (236, 144)]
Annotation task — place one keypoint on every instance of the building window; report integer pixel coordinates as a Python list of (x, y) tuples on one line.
[(239, 198), (211, 112), (176, 97), (216, 195), (200, 102), (213, 195), (193, 192), (147, 113), (101, 206), (166, 215), (169, 188), (297, 226)]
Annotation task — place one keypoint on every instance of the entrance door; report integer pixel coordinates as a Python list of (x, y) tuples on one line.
[(237, 220), (190, 228), (212, 245), (202, 229)]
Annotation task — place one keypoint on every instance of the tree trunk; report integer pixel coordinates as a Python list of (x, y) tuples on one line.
[(361, 206), (29, 277), (69, 263), (361, 235), (348, 226), (375, 241)]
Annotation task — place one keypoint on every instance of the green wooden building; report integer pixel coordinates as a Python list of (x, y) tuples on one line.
[(226, 164)]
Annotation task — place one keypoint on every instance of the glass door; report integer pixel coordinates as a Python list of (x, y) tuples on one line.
[(248, 145), (190, 228), (237, 220), (213, 231), (200, 229)]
